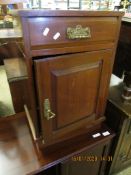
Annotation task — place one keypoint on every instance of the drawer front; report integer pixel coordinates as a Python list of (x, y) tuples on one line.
[(71, 30)]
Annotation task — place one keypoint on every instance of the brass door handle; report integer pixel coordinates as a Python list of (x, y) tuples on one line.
[(48, 114)]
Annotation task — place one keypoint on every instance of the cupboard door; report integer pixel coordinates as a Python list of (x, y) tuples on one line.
[(90, 162), (75, 85)]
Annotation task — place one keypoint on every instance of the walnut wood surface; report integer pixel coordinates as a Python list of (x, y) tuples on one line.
[(19, 155)]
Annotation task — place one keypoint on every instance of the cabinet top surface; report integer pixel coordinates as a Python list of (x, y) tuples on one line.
[(41, 12)]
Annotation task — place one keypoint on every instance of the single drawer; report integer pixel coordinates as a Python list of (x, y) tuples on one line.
[(60, 31)]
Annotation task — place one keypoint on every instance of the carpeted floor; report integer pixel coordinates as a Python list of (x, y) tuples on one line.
[(127, 171), (6, 106)]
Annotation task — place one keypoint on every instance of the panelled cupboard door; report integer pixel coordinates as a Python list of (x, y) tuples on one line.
[(90, 162), (72, 87)]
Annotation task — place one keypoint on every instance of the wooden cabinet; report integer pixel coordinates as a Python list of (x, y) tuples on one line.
[(69, 55), (92, 161), (119, 118)]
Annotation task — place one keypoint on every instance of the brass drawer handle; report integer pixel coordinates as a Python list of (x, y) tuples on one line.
[(48, 114), (78, 32)]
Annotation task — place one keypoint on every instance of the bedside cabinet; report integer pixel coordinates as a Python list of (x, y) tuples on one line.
[(119, 119), (69, 57)]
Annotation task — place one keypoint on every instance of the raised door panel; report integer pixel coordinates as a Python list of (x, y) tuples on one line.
[(76, 87), (75, 92)]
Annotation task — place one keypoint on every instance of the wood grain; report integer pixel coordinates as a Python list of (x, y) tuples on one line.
[(19, 155)]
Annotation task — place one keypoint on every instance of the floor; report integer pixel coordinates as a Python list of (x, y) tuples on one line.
[(127, 171), (6, 106)]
